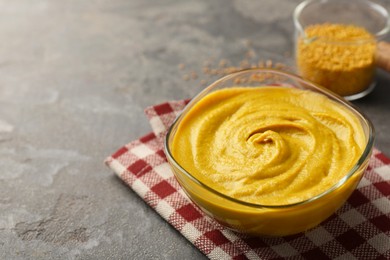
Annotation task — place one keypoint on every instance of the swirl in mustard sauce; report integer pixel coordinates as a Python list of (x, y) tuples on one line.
[(268, 145)]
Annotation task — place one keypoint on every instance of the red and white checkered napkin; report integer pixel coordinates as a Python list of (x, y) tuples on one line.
[(360, 229)]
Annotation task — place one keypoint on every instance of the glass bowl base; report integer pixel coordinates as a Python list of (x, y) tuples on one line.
[(363, 93)]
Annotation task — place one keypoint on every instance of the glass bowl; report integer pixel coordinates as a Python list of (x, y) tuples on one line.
[(268, 220), (343, 64)]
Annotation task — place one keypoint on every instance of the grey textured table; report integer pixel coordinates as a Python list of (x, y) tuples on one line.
[(75, 77)]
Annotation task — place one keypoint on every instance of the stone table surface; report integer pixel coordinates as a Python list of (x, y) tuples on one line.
[(75, 77)]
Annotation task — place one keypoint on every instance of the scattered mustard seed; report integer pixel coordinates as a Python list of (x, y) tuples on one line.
[(182, 66), (194, 75)]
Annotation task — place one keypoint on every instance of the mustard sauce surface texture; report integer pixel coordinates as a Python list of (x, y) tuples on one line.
[(268, 145)]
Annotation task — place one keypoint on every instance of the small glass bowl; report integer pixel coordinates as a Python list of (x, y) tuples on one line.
[(345, 67), (269, 220)]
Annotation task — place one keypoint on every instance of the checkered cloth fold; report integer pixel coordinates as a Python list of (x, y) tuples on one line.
[(360, 229)]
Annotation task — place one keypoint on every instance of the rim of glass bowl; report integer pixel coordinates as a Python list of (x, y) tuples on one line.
[(375, 6), (366, 153)]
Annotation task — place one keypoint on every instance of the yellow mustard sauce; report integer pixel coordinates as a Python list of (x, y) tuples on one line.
[(268, 145)]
